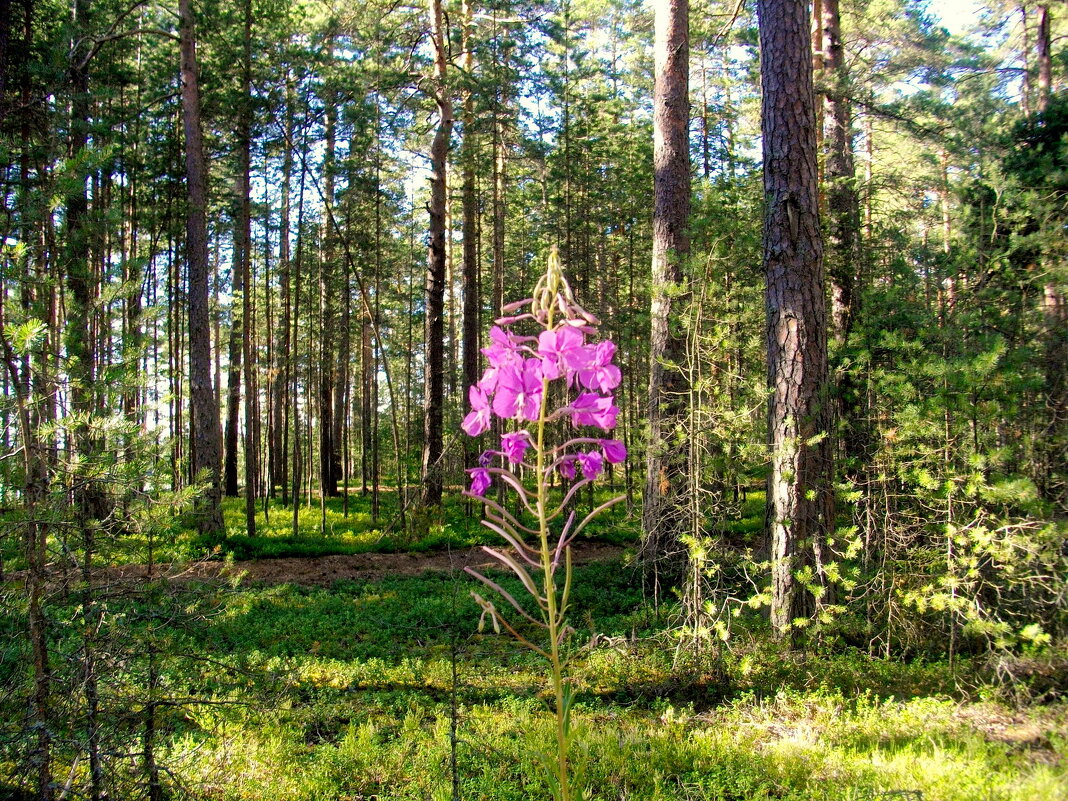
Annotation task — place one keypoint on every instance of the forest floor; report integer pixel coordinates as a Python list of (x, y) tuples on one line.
[(324, 571)]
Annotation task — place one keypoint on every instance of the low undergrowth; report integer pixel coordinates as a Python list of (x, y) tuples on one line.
[(387, 689)]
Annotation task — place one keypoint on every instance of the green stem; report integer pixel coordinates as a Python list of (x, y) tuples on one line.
[(555, 617)]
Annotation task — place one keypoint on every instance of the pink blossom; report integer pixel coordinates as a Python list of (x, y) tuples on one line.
[(503, 350), (488, 382), (614, 450), (501, 353), (480, 480), (593, 410), (561, 351), (478, 420), (567, 467), (599, 373), (592, 464), (518, 391), (514, 445)]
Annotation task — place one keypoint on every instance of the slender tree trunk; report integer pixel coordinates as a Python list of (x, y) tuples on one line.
[(245, 225), (329, 466), (434, 388), (204, 404), (1055, 314), (148, 734), (1045, 63), (816, 21), (706, 133), (35, 542), (471, 300), (500, 199), (1025, 54), (285, 361), (800, 502), (843, 253), (843, 205), (7, 20), (298, 458), (82, 350), (233, 374), (664, 511)]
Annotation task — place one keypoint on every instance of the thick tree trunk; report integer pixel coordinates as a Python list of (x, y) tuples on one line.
[(204, 404), (800, 505), (434, 379), (667, 466)]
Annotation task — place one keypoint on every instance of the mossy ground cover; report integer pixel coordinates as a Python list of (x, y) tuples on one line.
[(388, 689)]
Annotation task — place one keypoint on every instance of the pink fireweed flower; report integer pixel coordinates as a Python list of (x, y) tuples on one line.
[(480, 480), (478, 419), (514, 445), (589, 409), (567, 467), (488, 382), (501, 353), (503, 349), (599, 373), (561, 351), (592, 464), (614, 451), (518, 391)]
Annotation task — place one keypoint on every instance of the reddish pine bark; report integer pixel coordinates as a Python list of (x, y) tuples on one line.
[(800, 505), (667, 463), (204, 405)]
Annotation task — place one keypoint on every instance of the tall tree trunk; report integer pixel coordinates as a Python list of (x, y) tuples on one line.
[(800, 504), (328, 463), (500, 198), (816, 21), (664, 515), (82, 283), (1055, 314), (79, 339), (285, 361), (471, 299), (6, 22), (1045, 63), (1025, 89), (204, 404), (434, 386), (35, 542), (233, 374), (245, 225), (843, 205), (844, 262)]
